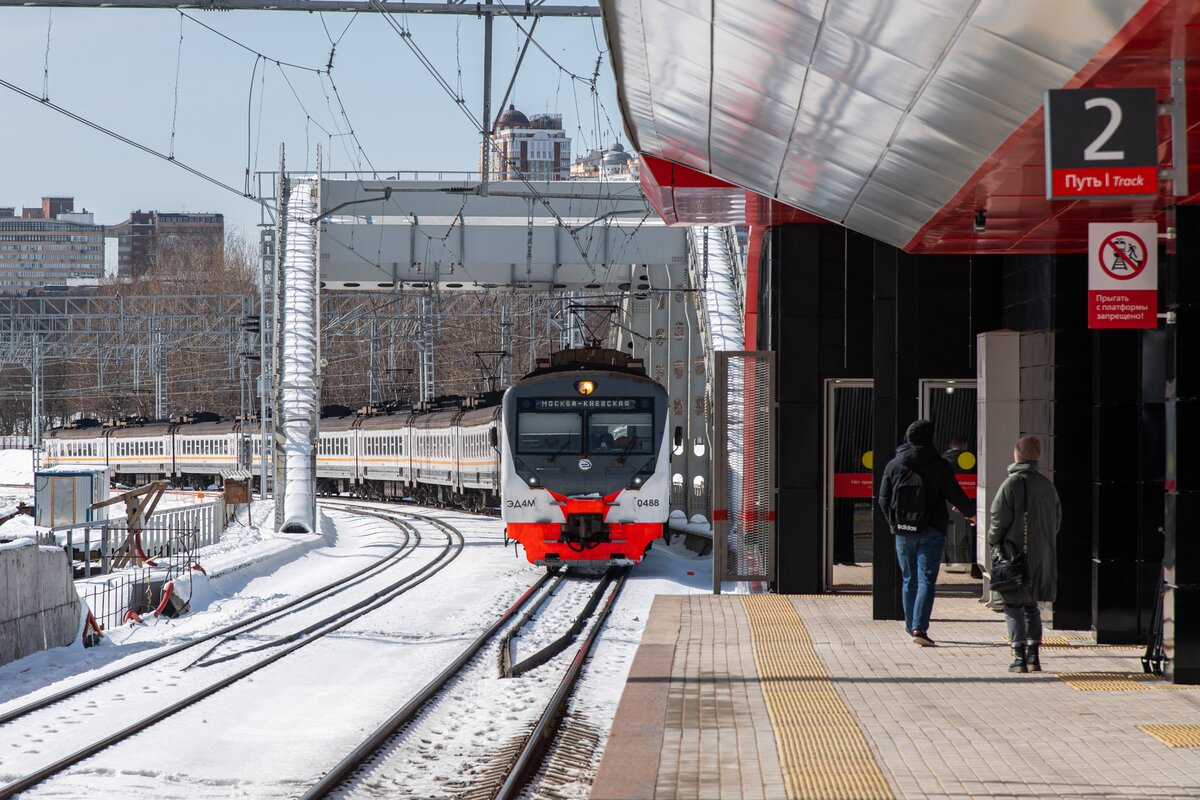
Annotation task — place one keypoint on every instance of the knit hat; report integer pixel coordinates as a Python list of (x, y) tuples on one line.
[(1029, 448)]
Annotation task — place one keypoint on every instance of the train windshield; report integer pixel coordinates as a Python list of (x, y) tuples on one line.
[(549, 434), (621, 434)]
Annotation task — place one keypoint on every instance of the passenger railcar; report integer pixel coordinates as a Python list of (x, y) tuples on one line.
[(585, 459), (204, 447), (77, 443), (139, 451), (337, 452), (385, 457), (576, 455)]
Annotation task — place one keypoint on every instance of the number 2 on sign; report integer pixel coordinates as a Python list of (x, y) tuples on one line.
[(1093, 152)]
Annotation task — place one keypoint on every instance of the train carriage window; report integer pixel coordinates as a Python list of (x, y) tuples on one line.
[(549, 433), (630, 434)]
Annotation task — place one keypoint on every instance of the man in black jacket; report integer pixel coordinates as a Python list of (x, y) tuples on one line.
[(919, 550)]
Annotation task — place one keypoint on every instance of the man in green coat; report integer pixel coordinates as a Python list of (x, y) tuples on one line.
[(1026, 515)]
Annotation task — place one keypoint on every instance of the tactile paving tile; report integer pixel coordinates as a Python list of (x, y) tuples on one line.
[(1080, 643), (1105, 682), (822, 749), (1174, 735)]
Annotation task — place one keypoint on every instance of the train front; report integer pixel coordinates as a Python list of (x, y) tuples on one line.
[(586, 462)]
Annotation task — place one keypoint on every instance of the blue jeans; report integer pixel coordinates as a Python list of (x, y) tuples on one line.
[(920, 559)]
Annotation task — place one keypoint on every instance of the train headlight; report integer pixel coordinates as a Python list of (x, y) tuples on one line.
[(585, 387), (637, 481), (533, 481)]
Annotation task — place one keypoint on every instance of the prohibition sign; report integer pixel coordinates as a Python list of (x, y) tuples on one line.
[(1123, 255)]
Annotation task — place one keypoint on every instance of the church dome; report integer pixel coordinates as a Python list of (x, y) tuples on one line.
[(512, 118), (616, 156)]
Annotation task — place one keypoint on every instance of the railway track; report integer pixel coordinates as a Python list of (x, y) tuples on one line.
[(283, 646), (510, 770)]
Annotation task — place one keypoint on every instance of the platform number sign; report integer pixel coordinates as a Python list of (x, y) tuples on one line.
[(1101, 143), (1123, 275)]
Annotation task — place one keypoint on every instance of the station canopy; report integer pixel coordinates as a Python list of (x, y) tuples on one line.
[(896, 118)]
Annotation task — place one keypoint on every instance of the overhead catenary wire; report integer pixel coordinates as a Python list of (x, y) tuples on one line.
[(405, 35), (175, 104), (126, 140), (46, 63)]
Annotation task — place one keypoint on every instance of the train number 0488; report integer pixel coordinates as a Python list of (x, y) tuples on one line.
[(647, 503)]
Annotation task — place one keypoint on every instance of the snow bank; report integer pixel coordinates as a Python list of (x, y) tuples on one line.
[(16, 467)]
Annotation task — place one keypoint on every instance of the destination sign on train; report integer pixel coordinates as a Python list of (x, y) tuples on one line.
[(584, 404)]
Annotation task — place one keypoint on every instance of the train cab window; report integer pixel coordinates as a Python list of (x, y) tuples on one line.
[(628, 434), (549, 434)]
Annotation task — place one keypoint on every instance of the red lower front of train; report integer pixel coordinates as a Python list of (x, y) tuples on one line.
[(585, 535)]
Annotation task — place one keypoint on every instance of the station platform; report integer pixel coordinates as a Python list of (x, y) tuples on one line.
[(805, 696)]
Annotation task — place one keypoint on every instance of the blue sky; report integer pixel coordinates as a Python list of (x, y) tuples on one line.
[(117, 67)]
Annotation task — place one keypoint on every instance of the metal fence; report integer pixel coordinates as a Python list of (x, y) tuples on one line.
[(743, 467), (141, 590), (168, 534), (14, 442), (169, 538)]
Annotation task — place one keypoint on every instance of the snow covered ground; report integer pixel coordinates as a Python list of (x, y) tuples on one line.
[(272, 734)]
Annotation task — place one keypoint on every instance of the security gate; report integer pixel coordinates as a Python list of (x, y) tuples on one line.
[(743, 467)]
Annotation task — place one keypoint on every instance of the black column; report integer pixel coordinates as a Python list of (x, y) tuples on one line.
[(794, 337), (1127, 471), (1181, 555), (894, 360)]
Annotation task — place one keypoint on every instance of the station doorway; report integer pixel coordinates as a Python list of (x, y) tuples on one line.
[(849, 478)]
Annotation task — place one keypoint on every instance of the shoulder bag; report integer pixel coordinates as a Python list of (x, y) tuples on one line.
[(1009, 569)]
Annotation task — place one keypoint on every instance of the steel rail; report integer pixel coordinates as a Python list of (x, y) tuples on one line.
[(540, 738), (448, 555), (344, 768), (542, 656), (278, 612), (506, 642), (204, 661)]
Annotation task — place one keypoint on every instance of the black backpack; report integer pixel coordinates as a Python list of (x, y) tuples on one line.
[(909, 506)]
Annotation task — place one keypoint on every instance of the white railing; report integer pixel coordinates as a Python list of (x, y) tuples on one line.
[(14, 442), (169, 534)]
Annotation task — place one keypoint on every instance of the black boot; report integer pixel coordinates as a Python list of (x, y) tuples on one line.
[(1018, 664), (1031, 656)]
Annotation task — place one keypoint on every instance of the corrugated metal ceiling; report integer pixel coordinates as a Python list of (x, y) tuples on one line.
[(871, 113)]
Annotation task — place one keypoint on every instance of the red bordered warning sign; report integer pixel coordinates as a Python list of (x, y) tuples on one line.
[(1123, 275), (1123, 255)]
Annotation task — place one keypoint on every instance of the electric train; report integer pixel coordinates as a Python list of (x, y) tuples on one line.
[(575, 455)]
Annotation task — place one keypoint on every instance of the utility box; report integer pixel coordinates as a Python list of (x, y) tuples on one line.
[(64, 495)]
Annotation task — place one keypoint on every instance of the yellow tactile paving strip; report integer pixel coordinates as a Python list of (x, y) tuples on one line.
[(1105, 682), (822, 748), (1174, 735), (1081, 643)]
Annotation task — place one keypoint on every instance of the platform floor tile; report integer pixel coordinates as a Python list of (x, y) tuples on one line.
[(698, 718)]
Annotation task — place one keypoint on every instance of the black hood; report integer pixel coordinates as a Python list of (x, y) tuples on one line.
[(920, 433)]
